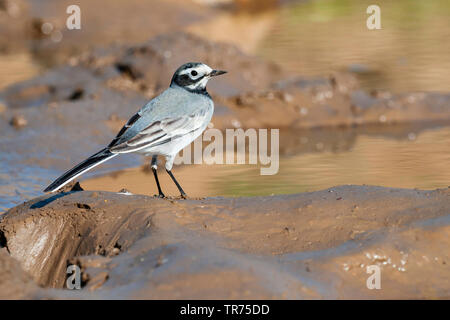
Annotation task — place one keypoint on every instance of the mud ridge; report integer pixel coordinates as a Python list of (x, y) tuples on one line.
[(310, 245)]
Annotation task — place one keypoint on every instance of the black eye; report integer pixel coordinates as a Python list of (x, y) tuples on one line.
[(194, 73)]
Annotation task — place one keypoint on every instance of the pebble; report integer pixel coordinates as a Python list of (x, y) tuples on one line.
[(18, 122), (287, 97)]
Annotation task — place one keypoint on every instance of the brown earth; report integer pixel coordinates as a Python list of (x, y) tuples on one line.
[(310, 245), (106, 22)]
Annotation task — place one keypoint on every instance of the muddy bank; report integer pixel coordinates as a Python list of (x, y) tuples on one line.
[(41, 25), (310, 245), (107, 22), (255, 93)]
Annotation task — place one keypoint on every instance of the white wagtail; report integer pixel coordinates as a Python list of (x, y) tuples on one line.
[(164, 126)]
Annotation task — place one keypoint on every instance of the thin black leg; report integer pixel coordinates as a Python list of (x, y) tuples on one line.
[(155, 174), (183, 194)]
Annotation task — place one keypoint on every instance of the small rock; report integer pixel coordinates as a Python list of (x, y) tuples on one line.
[(18, 122), (286, 97), (125, 191), (303, 111)]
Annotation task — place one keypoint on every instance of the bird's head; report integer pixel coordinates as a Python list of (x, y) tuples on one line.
[(194, 76)]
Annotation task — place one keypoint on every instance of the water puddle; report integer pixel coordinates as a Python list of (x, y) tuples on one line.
[(312, 38), (412, 160)]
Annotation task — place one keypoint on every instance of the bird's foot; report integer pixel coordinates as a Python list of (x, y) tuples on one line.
[(161, 195), (183, 195)]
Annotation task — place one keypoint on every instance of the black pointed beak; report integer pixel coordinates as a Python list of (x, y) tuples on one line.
[(216, 73)]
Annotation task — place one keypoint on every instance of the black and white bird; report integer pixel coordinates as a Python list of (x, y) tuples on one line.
[(164, 126)]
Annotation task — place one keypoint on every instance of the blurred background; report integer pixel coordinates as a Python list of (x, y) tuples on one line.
[(367, 106), (410, 52)]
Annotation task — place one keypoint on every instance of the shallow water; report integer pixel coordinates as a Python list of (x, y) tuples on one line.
[(393, 156), (409, 160), (316, 38), (409, 53)]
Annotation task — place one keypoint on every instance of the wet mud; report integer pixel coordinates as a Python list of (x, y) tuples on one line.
[(309, 245)]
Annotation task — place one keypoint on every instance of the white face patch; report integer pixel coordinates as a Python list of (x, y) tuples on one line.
[(201, 71)]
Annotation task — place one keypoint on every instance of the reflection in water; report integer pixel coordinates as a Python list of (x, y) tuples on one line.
[(417, 161), (410, 53)]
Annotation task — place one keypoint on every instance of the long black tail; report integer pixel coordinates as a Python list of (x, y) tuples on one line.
[(81, 168)]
